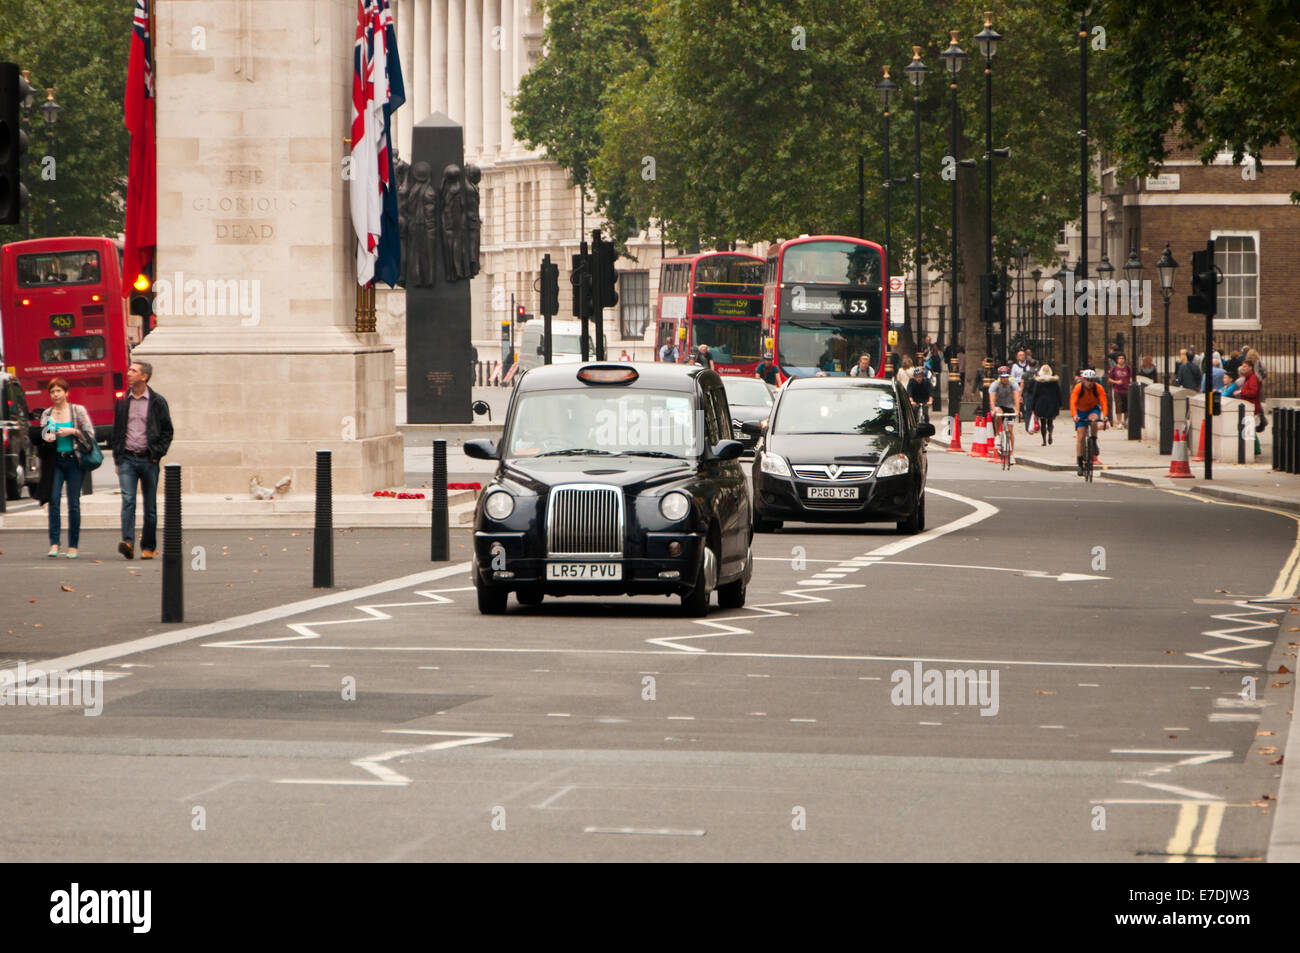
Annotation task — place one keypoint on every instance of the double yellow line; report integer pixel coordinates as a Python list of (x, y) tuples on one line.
[(1180, 846)]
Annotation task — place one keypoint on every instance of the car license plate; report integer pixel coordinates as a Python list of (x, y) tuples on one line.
[(832, 492), (573, 572)]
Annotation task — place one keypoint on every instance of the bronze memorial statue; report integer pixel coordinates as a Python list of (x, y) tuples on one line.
[(446, 219)]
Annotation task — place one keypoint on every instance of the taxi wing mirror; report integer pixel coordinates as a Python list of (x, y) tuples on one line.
[(754, 429), (481, 449), (925, 430), (726, 450)]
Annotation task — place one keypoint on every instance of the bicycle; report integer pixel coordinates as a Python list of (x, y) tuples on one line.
[(1004, 438)]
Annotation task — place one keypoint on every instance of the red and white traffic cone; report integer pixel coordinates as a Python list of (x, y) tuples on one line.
[(979, 445), (1178, 465), (954, 444), (1200, 448), (991, 441)]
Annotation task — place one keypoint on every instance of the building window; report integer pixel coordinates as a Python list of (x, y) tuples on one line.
[(633, 303), (1236, 256)]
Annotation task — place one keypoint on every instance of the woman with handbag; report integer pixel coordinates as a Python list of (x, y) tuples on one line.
[(68, 439), (1047, 401)]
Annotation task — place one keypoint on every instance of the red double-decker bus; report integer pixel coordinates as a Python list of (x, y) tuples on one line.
[(825, 303), (714, 298), (61, 312)]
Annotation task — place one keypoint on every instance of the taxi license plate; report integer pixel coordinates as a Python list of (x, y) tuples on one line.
[(832, 492), (572, 572)]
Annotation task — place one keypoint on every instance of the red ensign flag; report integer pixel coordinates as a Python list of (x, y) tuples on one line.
[(141, 188)]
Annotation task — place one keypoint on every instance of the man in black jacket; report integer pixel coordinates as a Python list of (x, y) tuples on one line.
[(1187, 374), (142, 435)]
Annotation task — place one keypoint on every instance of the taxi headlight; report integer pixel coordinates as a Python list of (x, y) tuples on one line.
[(893, 466), (499, 505), (674, 506), (775, 464)]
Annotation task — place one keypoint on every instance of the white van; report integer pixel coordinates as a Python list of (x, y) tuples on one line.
[(566, 343)]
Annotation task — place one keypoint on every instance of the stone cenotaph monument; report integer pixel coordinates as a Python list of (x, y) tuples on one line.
[(255, 275)]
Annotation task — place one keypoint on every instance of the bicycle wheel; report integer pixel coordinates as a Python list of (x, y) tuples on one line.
[(1006, 445), (1090, 454)]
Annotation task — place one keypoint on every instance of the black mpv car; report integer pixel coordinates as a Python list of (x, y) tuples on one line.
[(614, 479), (841, 450)]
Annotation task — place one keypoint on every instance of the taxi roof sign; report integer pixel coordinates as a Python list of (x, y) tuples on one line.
[(607, 374)]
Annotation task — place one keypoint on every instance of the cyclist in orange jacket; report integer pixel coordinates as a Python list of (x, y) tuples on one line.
[(1087, 406)]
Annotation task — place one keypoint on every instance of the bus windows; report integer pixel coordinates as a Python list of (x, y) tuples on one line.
[(88, 347), (73, 267)]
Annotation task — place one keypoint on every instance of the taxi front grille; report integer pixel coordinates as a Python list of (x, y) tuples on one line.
[(585, 520)]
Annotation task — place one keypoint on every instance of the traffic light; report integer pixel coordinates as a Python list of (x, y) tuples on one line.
[(521, 314), (605, 279), (550, 287), (581, 287), (15, 92), (1205, 281), (992, 301), (142, 295)]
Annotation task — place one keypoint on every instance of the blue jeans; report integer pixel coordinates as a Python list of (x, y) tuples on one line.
[(66, 471), (130, 471)]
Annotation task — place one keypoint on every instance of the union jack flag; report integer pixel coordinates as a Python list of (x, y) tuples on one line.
[(377, 91)]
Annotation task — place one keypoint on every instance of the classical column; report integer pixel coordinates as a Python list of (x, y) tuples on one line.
[(437, 46), (473, 120), (455, 60), (494, 50), (406, 47), (506, 73), (418, 90)]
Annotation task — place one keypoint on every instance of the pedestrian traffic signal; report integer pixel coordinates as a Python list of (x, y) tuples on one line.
[(1205, 281), (550, 287), (15, 92)]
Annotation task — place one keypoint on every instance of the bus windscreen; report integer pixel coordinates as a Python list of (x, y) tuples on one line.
[(62, 268)]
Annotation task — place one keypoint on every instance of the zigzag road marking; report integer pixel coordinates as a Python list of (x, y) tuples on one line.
[(374, 613), (387, 777), (1240, 643)]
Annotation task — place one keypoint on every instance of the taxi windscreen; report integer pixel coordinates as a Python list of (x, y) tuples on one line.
[(840, 410), (601, 421)]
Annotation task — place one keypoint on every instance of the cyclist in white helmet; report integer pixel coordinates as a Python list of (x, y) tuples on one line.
[(1088, 408)]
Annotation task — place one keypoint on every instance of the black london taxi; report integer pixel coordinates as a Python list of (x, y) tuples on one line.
[(614, 479), (841, 450)]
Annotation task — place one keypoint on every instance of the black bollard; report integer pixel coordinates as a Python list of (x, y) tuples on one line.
[(1166, 422), (1293, 438), (439, 543), (4, 476), (1241, 435), (173, 583), (322, 549), (1277, 442), (1137, 410)]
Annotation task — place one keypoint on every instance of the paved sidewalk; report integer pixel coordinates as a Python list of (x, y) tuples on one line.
[(1139, 461)]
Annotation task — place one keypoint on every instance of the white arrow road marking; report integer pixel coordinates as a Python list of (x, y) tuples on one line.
[(661, 831), (1030, 573), (374, 764), (1240, 642)]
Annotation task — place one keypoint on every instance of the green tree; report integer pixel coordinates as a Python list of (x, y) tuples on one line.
[(1202, 75), (589, 44), (80, 48)]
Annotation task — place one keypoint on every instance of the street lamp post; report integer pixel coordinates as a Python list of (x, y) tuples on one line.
[(987, 40), (886, 90), (27, 101), (1133, 275), (1104, 270), (1062, 277), (1167, 267), (50, 110), (953, 58), (1083, 178), (916, 72), (1021, 255), (1037, 332)]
